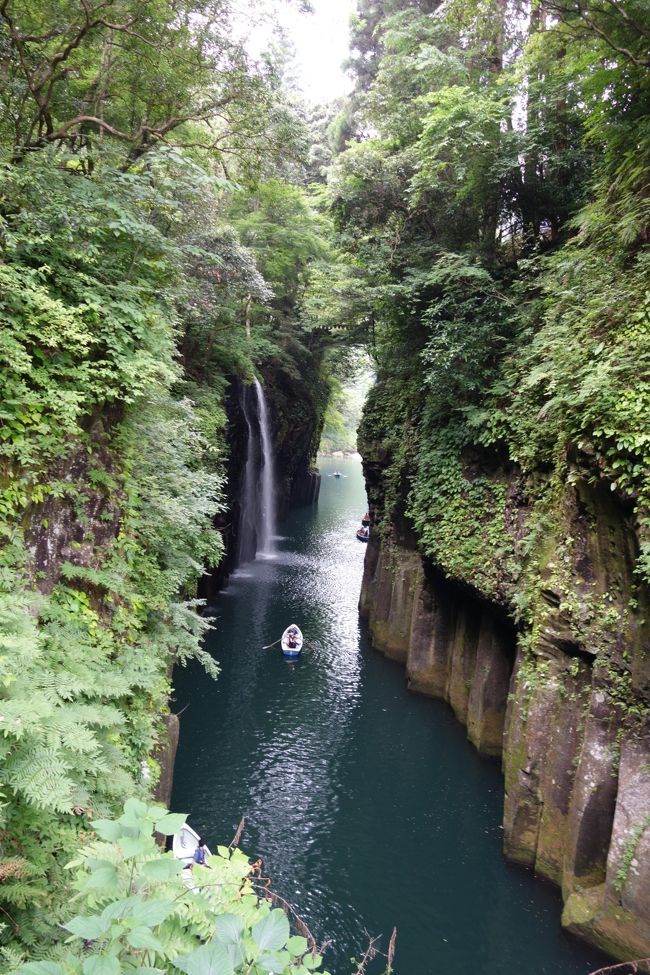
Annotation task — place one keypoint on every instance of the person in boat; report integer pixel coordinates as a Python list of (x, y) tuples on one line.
[(365, 521), (292, 638), (199, 854)]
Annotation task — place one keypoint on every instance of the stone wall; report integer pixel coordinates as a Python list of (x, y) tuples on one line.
[(452, 647), (567, 712)]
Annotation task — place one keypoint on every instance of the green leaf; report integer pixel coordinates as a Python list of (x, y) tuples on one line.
[(142, 937), (211, 959), (136, 808), (134, 846), (107, 829), (277, 962), (104, 876), (41, 968), (152, 912), (297, 945), (163, 868), (102, 965), (87, 928), (272, 932), (312, 961), (229, 928), (119, 909), (170, 824)]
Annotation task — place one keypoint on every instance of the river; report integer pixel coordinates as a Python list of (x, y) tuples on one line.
[(368, 804)]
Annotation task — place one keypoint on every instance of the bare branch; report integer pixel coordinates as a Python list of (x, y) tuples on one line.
[(391, 951), (234, 843), (632, 966), (368, 955)]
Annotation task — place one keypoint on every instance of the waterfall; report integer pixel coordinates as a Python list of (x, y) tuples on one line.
[(248, 519), (257, 516), (267, 473)]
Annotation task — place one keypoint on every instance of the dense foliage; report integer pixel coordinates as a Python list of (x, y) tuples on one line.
[(151, 250), (136, 909), (493, 204), (160, 234)]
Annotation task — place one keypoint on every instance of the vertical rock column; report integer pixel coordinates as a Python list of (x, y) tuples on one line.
[(615, 914), (488, 696), (452, 648)]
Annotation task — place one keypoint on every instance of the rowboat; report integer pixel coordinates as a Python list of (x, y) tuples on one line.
[(363, 534), (185, 843), (291, 641)]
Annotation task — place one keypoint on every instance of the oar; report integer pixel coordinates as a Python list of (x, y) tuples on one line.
[(271, 644)]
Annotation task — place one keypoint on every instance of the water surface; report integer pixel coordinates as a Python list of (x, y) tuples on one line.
[(367, 803)]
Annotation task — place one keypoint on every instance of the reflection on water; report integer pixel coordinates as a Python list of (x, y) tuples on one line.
[(368, 805)]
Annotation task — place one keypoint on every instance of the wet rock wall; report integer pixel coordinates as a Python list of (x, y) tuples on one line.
[(561, 695), (452, 648)]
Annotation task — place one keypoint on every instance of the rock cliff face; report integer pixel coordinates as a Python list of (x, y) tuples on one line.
[(559, 690)]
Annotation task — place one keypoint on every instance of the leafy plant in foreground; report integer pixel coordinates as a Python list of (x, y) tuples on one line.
[(137, 911)]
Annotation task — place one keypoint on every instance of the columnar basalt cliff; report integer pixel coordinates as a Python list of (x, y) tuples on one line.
[(557, 683)]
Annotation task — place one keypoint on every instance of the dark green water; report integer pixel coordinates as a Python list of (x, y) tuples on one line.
[(367, 803)]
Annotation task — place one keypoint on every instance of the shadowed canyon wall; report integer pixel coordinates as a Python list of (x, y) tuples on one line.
[(558, 688)]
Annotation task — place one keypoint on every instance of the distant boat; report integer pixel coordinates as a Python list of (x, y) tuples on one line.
[(363, 534), (337, 474), (292, 641), (185, 843)]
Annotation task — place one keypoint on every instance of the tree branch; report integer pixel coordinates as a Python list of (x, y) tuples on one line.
[(634, 965), (562, 13)]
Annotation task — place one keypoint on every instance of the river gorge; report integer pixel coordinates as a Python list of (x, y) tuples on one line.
[(368, 804)]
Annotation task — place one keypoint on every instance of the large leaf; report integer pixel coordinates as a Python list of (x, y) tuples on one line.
[(152, 912), (120, 908), (276, 962), (210, 959), (41, 968), (162, 868), (102, 965), (104, 876), (107, 829), (312, 961), (135, 846), (137, 808), (297, 945), (88, 928), (142, 937), (229, 928), (272, 932), (170, 824)]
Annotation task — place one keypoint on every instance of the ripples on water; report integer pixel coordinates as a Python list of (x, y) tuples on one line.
[(368, 805)]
